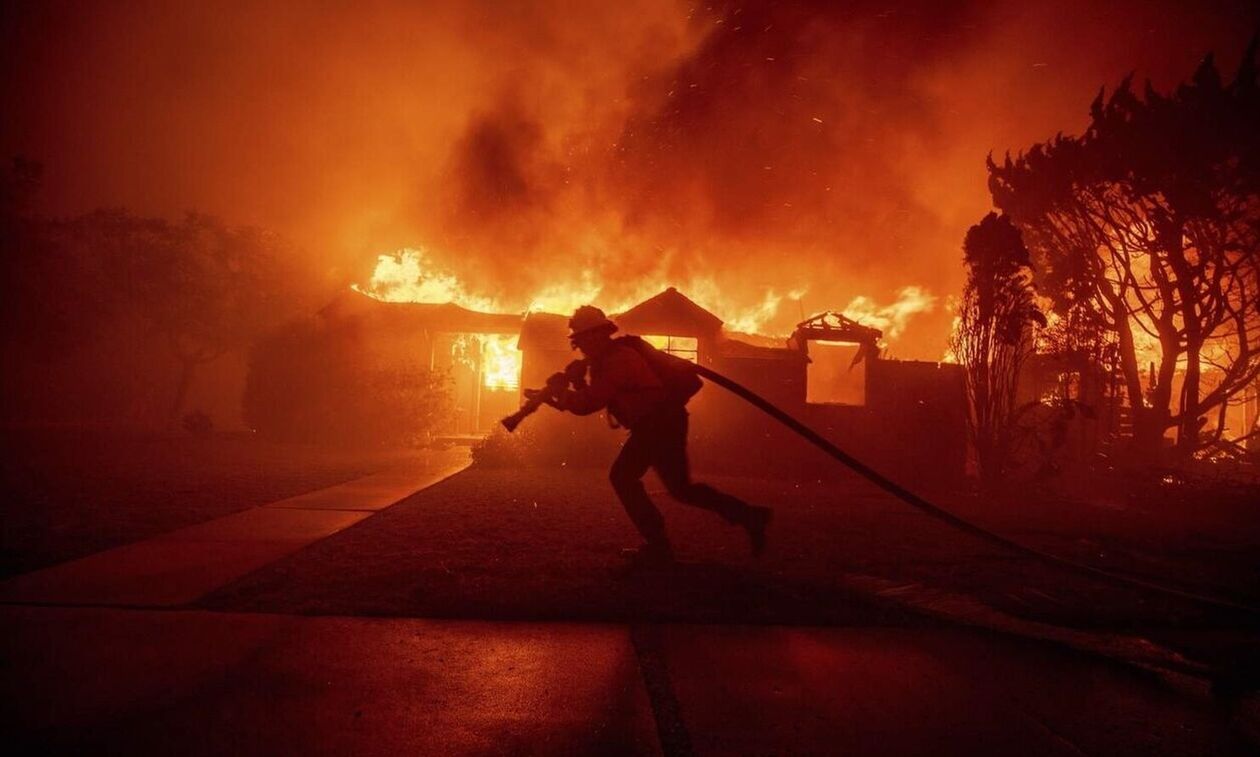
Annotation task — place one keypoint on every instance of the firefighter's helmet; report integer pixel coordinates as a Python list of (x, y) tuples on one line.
[(589, 318)]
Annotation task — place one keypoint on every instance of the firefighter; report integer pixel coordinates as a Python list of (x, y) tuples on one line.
[(645, 391)]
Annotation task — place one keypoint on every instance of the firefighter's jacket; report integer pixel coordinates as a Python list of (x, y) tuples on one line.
[(621, 381)]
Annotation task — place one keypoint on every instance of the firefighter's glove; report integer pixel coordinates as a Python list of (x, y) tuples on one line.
[(576, 373), (557, 382)]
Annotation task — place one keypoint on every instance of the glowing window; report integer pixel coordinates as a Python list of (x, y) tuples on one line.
[(685, 347), (500, 362), (832, 378)]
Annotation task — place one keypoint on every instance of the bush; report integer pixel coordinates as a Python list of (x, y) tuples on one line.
[(313, 383), (501, 449)]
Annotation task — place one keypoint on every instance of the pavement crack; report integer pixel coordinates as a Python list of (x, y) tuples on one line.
[(649, 649)]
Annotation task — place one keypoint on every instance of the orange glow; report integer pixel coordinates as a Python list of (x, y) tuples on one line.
[(771, 160), (685, 347), (412, 275), (500, 362), (891, 318), (1146, 345)]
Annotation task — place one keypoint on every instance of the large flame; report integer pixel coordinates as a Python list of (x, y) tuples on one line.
[(891, 318), (412, 275)]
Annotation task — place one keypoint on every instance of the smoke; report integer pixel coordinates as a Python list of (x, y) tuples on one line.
[(775, 158)]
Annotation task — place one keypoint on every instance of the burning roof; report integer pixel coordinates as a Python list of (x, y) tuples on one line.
[(670, 312), (836, 327), (446, 317)]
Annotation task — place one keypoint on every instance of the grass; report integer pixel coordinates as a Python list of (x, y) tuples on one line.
[(537, 544)]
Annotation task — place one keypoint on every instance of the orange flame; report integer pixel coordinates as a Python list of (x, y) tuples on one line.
[(891, 318), (500, 362), (411, 275)]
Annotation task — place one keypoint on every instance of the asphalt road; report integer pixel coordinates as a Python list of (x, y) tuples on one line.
[(109, 681)]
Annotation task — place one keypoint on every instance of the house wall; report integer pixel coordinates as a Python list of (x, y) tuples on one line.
[(912, 427), (920, 423)]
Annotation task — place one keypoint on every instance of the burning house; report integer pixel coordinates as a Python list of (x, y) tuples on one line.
[(906, 417), (477, 352)]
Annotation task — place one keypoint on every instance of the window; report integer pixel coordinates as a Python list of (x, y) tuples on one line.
[(685, 347), (831, 377)]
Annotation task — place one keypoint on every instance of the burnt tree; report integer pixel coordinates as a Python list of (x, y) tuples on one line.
[(1148, 224), (993, 336)]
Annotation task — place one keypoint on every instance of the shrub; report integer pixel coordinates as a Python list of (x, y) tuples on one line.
[(314, 383)]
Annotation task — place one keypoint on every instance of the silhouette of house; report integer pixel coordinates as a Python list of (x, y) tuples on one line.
[(905, 417), (443, 337)]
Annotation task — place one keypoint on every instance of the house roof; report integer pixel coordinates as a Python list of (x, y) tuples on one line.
[(670, 312), (544, 331), (439, 317), (737, 348), (836, 327)]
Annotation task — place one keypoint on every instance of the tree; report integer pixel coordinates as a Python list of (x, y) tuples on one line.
[(312, 381), (50, 302), (18, 186), (202, 288), (108, 316), (992, 339), (59, 304), (214, 293), (1147, 227)]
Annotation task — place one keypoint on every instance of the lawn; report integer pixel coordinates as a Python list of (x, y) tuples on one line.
[(67, 494), (530, 543)]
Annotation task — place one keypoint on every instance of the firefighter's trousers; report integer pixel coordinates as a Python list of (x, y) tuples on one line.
[(660, 442)]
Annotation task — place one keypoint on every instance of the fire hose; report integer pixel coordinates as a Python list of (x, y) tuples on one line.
[(546, 396)]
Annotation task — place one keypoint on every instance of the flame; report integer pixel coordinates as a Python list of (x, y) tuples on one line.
[(952, 303), (891, 318), (685, 347), (494, 356), (567, 297), (748, 320), (461, 351), (412, 275), (500, 362)]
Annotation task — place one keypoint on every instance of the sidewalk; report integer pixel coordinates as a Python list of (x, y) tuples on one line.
[(178, 568), (99, 680)]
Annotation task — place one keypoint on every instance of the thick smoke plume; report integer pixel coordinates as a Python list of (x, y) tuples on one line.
[(754, 153)]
